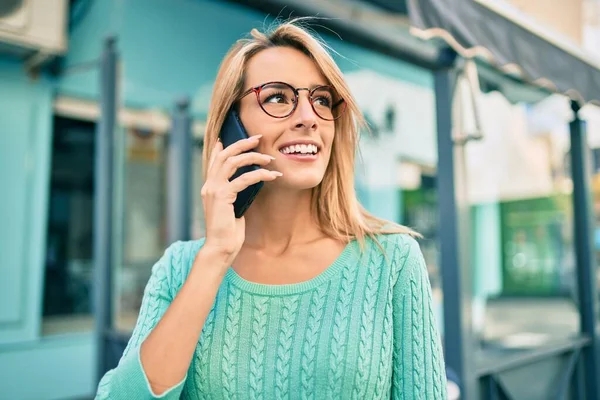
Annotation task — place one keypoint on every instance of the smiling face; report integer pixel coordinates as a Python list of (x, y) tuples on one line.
[(301, 142)]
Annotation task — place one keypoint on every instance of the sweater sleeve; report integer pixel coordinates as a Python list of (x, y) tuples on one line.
[(128, 381), (418, 361)]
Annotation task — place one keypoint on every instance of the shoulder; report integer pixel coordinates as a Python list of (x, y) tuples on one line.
[(399, 246), (403, 253), (176, 262)]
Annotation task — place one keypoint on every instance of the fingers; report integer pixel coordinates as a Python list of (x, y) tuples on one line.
[(213, 156), (238, 147), (250, 178), (225, 162), (221, 155), (233, 163)]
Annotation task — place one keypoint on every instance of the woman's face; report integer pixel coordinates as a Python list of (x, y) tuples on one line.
[(283, 137)]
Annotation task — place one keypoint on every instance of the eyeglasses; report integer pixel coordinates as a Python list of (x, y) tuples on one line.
[(279, 100)]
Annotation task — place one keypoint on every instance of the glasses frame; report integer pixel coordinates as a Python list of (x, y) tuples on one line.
[(257, 89)]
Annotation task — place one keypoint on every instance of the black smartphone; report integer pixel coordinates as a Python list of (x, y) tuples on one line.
[(231, 132)]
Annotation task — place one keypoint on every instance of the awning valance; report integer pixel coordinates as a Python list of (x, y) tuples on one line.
[(482, 28)]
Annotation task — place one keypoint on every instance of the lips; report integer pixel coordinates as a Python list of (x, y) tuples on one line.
[(300, 146), (303, 149), (301, 157)]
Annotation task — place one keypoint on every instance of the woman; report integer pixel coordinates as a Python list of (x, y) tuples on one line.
[(305, 296)]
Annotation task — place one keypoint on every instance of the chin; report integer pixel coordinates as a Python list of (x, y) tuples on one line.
[(300, 181)]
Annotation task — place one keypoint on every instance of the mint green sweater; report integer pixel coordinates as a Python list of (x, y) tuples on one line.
[(362, 329)]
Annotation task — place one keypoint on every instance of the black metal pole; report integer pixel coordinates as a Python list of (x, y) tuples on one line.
[(583, 235), (180, 174), (454, 244), (103, 201)]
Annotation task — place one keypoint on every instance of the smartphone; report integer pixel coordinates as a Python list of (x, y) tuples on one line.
[(231, 132)]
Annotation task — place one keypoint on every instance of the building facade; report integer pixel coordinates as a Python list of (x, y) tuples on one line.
[(518, 184)]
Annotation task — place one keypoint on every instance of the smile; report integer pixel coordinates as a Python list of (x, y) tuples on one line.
[(300, 149)]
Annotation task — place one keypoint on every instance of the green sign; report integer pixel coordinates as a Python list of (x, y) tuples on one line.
[(535, 245)]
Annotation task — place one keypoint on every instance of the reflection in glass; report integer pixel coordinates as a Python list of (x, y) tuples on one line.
[(68, 272)]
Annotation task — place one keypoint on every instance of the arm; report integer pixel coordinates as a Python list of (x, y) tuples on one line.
[(418, 361), (168, 328), (159, 353)]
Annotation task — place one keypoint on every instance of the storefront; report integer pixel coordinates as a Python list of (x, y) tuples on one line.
[(156, 68), (497, 212)]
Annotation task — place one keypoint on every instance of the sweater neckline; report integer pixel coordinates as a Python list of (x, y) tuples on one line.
[(294, 288)]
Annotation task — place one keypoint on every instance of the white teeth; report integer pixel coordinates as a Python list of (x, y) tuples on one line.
[(300, 148)]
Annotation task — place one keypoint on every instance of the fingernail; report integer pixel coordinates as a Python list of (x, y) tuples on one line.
[(277, 173), (255, 137), (271, 157)]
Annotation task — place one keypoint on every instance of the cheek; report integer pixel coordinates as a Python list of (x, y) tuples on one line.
[(256, 122), (328, 137)]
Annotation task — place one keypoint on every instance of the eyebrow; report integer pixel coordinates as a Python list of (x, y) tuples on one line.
[(312, 86), (280, 85)]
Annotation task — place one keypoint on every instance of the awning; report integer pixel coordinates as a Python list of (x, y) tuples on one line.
[(480, 29)]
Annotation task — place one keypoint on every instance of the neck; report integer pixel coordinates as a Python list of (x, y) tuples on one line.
[(280, 219)]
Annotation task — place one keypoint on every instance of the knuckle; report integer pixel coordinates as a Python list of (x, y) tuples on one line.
[(231, 162), (207, 191), (230, 197), (220, 157), (246, 179)]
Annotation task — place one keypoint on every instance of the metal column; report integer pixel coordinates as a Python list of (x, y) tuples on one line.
[(583, 235), (103, 198), (179, 183), (453, 234)]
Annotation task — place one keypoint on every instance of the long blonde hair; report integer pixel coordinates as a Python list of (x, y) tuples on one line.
[(338, 211)]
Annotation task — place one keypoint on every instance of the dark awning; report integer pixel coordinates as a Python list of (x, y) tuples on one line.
[(475, 30)]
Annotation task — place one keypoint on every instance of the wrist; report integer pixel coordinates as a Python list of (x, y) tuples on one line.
[(214, 257)]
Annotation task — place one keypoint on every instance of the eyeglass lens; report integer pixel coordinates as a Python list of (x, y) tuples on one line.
[(278, 100)]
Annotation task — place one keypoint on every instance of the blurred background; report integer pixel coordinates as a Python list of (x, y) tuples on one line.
[(485, 119)]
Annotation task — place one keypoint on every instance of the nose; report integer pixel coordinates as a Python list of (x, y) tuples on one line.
[(305, 115)]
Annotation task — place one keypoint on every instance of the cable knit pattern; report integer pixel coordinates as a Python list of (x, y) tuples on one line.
[(416, 338), (340, 331), (203, 353), (232, 325), (257, 350), (309, 348), (284, 348), (364, 328), (435, 355)]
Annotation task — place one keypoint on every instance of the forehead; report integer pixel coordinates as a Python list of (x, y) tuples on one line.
[(283, 64)]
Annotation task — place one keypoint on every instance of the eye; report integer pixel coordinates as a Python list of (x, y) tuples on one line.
[(322, 100), (279, 97)]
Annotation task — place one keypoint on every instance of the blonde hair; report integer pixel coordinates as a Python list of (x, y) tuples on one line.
[(338, 211)]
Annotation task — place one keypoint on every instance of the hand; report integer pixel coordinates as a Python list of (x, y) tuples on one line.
[(224, 233)]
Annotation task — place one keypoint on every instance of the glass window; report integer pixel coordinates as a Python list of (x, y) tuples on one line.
[(143, 218), (140, 236), (68, 271), (144, 213), (520, 191)]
